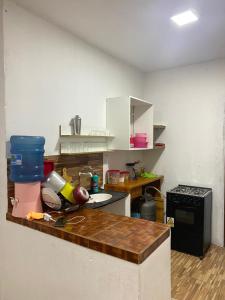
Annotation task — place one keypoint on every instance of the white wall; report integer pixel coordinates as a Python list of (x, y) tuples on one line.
[(3, 199), (2, 116), (190, 100), (52, 75)]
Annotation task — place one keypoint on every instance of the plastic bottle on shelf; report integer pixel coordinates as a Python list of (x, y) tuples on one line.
[(27, 158)]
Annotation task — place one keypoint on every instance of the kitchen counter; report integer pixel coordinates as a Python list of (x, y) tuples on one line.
[(126, 238), (107, 256), (132, 184)]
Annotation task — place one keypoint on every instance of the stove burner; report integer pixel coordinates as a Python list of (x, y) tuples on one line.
[(190, 190)]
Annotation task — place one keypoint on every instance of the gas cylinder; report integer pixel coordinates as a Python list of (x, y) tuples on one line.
[(148, 208)]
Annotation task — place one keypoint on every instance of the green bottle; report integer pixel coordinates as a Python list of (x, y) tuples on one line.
[(94, 183)]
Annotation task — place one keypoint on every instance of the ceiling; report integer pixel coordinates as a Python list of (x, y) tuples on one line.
[(140, 32)]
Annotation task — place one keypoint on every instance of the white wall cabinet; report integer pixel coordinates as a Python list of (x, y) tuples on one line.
[(126, 116)]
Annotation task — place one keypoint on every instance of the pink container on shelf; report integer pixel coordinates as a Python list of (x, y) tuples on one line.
[(141, 135), (141, 140), (140, 144), (27, 199)]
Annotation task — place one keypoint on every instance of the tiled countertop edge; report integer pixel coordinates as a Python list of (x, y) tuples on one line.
[(90, 243)]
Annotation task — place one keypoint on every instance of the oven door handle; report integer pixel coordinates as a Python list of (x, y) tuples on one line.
[(177, 205), (190, 208)]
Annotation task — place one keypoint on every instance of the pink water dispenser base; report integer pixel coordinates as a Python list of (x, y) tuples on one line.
[(28, 198)]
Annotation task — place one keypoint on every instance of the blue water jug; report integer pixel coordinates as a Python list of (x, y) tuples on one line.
[(27, 158)]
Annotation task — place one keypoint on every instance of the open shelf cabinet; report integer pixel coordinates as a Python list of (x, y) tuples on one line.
[(158, 129), (126, 116)]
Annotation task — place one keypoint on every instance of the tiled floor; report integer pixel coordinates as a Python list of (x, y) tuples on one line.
[(195, 279)]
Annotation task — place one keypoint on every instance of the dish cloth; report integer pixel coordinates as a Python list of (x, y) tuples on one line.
[(148, 175)]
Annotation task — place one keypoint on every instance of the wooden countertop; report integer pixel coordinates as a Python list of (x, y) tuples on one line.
[(127, 238), (132, 184)]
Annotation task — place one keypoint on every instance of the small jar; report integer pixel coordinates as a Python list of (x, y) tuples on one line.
[(113, 176), (124, 176), (131, 141)]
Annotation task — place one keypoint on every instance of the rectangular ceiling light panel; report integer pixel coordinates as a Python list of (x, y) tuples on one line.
[(185, 18)]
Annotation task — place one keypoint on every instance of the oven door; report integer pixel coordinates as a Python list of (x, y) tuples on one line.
[(185, 213), (187, 228), (187, 218)]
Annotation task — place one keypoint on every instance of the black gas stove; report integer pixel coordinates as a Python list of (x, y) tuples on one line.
[(191, 190), (188, 212)]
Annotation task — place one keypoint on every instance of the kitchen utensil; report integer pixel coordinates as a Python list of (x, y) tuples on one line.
[(60, 222), (27, 199), (67, 192), (55, 182), (51, 199), (71, 209), (80, 195), (78, 124), (75, 124)]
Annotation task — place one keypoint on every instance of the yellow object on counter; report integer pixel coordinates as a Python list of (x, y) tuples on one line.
[(67, 192), (35, 216)]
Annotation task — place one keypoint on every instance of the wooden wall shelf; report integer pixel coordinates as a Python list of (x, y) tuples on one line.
[(70, 144), (86, 136), (159, 147), (82, 135)]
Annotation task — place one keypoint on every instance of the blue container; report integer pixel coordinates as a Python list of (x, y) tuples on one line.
[(27, 158), (135, 215)]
